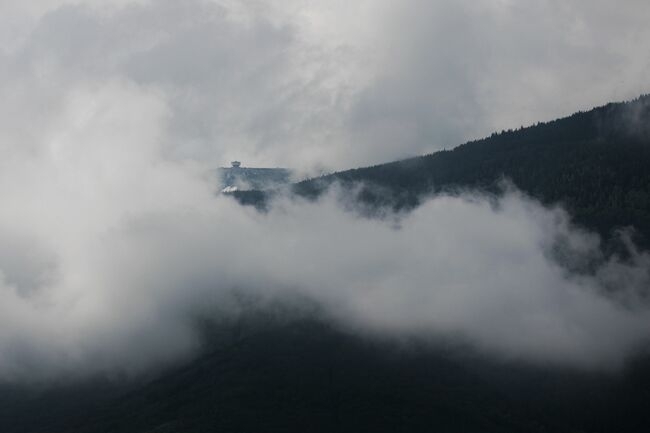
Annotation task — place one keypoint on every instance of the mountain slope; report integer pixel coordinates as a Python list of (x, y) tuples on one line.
[(305, 375), (595, 163)]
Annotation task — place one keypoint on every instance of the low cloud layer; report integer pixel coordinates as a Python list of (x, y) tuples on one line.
[(110, 251), (113, 113)]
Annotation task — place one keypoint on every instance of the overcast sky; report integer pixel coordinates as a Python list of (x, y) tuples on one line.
[(324, 84), (112, 241)]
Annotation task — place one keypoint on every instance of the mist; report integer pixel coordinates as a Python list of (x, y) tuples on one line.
[(111, 252), (114, 114)]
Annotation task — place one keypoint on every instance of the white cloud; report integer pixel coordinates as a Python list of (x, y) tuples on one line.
[(111, 252), (330, 84), (112, 241)]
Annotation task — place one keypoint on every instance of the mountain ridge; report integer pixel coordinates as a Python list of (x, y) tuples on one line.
[(593, 163)]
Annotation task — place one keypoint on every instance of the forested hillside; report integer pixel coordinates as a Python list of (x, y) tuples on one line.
[(595, 163), (305, 375)]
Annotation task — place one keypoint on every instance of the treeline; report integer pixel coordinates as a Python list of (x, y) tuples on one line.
[(596, 164)]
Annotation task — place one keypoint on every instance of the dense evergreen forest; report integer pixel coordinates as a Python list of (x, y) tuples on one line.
[(596, 164), (267, 375)]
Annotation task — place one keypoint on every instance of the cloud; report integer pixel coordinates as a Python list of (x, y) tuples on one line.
[(329, 85), (112, 252), (241, 81), (112, 241)]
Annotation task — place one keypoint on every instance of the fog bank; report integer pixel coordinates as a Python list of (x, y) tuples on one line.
[(111, 252)]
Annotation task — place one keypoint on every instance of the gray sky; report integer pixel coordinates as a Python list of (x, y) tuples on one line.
[(112, 241), (328, 84)]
